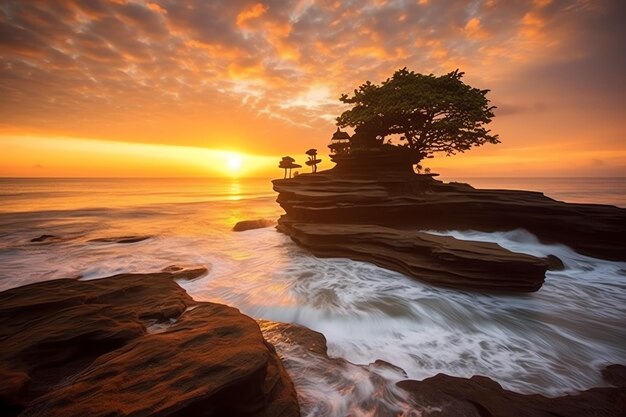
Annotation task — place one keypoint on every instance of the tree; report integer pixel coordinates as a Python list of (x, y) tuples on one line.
[(287, 163), (312, 161), (431, 114)]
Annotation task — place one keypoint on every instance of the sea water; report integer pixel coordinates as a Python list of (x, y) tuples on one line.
[(554, 341)]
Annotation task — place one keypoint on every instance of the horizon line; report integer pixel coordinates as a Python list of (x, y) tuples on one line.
[(264, 177)]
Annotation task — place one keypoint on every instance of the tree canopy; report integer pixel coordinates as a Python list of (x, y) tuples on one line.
[(431, 114)]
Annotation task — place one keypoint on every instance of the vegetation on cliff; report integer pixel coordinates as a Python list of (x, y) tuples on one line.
[(424, 113)]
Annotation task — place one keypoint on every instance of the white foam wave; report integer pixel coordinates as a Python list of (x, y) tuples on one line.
[(553, 341)]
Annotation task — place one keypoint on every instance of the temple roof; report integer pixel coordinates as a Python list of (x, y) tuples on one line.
[(340, 135)]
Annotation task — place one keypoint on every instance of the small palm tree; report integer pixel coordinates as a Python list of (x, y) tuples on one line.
[(287, 163), (313, 161)]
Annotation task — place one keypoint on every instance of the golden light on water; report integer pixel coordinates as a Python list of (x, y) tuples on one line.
[(235, 192)]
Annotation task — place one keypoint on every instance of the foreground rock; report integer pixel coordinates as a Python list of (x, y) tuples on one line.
[(439, 260), (615, 375), (480, 396), (134, 344)]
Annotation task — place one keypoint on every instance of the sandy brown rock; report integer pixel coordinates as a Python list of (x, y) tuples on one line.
[(45, 238), (615, 375), (309, 339), (78, 348), (252, 224), (120, 239), (439, 260), (447, 396)]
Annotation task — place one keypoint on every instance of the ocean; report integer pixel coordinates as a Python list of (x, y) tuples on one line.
[(554, 341)]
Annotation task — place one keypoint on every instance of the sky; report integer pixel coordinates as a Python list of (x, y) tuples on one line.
[(206, 88)]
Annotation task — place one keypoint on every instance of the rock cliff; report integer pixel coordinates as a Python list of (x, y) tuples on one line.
[(378, 219)]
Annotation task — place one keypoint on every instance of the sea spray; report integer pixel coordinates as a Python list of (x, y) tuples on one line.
[(553, 341)]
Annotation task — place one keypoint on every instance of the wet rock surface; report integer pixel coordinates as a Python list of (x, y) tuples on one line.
[(615, 375), (45, 239), (439, 260), (252, 224), (78, 348), (441, 395), (120, 239), (335, 214), (480, 396)]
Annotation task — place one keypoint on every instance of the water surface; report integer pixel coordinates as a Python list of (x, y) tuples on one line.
[(553, 341)]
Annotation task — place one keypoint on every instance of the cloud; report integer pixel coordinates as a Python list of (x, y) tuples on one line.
[(104, 66), (508, 109)]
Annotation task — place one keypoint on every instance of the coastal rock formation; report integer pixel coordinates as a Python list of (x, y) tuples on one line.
[(439, 260), (120, 239), (615, 375), (406, 202), (45, 238), (480, 396), (134, 344), (422, 202), (443, 395), (252, 224)]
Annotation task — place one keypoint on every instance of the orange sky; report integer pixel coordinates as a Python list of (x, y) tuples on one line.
[(173, 87)]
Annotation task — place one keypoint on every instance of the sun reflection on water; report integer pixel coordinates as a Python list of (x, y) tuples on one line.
[(234, 191)]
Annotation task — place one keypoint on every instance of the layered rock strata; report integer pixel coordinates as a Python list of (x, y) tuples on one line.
[(134, 344), (439, 260), (401, 204)]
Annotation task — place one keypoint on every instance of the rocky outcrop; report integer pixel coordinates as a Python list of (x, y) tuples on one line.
[(134, 344), (45, 238), (421, 202), (252, 224), (377, 219), (120, 239), (443, 395), (439, 260), (479, 396), (615, 375)]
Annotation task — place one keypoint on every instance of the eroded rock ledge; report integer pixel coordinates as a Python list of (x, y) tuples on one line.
[(377, 218), (134, 344), (439, 260)]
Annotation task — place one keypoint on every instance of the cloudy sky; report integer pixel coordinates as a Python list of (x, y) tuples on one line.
[(173, 87)]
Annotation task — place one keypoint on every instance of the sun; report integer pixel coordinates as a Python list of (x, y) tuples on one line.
[(234, 164)]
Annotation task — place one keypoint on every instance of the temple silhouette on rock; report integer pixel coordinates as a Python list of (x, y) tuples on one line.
[(365, 154)]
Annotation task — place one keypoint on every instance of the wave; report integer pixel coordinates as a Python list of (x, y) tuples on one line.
[(553, 341)]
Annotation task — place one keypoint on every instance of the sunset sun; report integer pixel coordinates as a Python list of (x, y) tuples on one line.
[(234, 164)]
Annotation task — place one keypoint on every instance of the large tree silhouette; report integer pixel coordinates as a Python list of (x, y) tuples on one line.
[(428, 114)]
